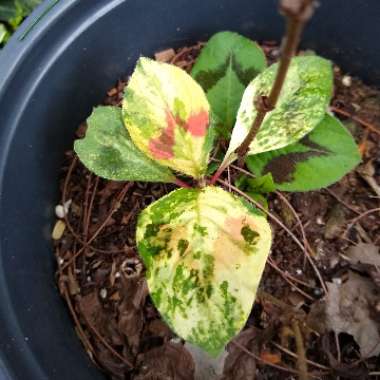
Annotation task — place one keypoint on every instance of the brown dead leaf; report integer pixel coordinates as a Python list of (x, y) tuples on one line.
[(112, 364), (365, 258), (157, 327), (348, 310), (335, 222), (364, 253), (91, 308), (239, 365), (367, 172), (270, 357), (316, 319), (133, 292), (73, 284), (170, 361)]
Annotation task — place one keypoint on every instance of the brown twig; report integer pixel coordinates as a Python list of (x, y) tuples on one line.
[(82, 335), (256, 357), (301, 360), (361, 216), (297, 13), (364, 123), (345, 204), (290, 353), (287, 279), (113, 209)]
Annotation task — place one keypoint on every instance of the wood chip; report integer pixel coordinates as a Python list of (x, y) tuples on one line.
[(58, 230), (164, 55)]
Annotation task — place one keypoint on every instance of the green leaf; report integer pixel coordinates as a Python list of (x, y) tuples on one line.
[(205, 251), (28, 5), (260, 199), (302, 105), (108, 151), (167, 115), (8, 10), (318, 160), (225, 67), (263, 184), (3, 33)]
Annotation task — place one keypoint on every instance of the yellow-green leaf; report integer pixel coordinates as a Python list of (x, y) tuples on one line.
[(205, 251), (167, 115), (302, 105)]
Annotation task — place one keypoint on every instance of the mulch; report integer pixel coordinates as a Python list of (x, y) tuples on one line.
[(101, 276)]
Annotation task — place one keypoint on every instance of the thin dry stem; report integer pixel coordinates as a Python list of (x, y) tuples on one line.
[(301, 360)]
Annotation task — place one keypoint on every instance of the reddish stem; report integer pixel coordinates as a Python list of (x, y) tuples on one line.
[(216, 175), (180, 183)]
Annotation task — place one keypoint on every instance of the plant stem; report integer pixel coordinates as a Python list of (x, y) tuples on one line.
[(181, 183), (297, 13)]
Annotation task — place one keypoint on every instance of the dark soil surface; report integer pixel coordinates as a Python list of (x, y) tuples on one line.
[(294, 324)]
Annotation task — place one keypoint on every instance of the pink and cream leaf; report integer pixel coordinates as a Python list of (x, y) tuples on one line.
[(167, 116)]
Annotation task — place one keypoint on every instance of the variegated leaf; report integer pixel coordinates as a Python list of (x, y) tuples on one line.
[(107, 150), (318, 160), (224, 68), (302, 105), (167, 115), (205, 251)]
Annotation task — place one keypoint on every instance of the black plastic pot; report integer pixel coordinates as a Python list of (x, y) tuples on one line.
[(48, 85)]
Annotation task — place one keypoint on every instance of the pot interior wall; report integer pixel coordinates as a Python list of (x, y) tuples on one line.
[(48, 85)]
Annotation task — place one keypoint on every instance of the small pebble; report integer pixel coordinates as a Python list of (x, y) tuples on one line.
[(319, 220), (60, 261), (59, 211), (117, 275), (347, 81), (62, 210), (317, 291), (58, 230), (299, 272), (337, 281), (103, 293)]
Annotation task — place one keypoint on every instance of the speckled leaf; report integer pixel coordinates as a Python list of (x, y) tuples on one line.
[(107, 150), (225, 67), (302, 105), (318, 160), (167, 115), (205, 251)]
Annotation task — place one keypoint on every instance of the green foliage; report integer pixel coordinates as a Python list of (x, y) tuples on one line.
[(12, 12), (4, 34), (318, 160), (205, 249), (225, 67), (107, 150)]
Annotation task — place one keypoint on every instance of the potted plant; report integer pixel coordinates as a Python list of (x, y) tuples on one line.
[(163, 123)]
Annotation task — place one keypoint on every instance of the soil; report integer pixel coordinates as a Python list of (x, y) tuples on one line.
[(101, 277)]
